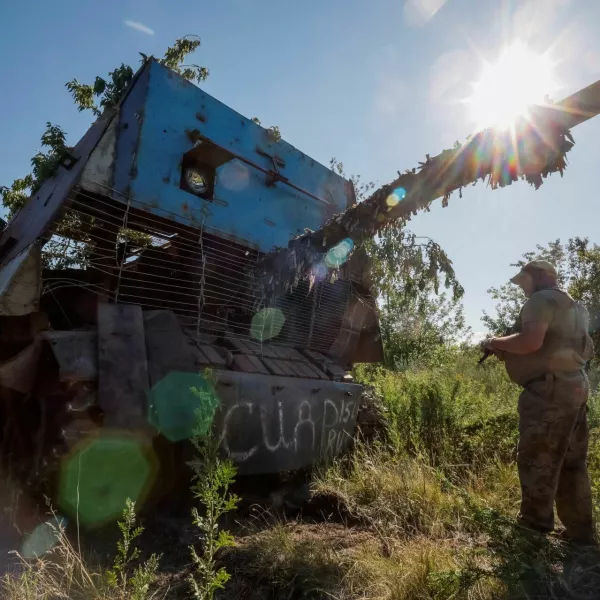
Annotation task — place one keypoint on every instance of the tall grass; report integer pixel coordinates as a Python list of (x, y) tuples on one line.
[(64, 573), (424, 512), (431, 504), (454, 414)]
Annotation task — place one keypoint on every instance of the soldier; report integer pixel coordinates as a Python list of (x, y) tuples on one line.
[(547, 357)]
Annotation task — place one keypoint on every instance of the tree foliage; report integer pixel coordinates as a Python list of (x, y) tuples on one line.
[(406, 275), (106, 93), (103, 94), (413, 335), (44, 164)]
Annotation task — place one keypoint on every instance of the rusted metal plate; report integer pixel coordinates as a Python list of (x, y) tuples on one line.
[(345, 343), (316, 372), (167, 347), (293, 354), (18, 373), (260, 349), (260, 367), (213, 356), (21, 282), (253, 347), (318, 357), (284, 367), (97, 175), (274, 367), (122, 368), (279, 351), (76, 353), (337, 373), (267, 351), (242, 362), (269, 424), (300, 369), (237, 345), (288, 353)]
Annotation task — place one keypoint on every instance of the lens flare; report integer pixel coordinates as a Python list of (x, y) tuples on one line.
[(233, 176), (395, 197), (100, 473), (43, 538), (319, 271), (507, 88), (339, 254), (267, 324), (182, 405)]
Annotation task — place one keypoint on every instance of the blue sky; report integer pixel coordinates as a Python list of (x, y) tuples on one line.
[(374, 83)]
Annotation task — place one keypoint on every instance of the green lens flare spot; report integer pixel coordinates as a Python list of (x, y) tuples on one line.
[(339, 254), (182, 405), (43, 538), (100, 474), (267, 324)]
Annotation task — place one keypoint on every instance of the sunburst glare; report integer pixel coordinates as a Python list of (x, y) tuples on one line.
[(518, 79)]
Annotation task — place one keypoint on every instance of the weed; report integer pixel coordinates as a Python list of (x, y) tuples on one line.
[(63, 573), (136, 585), (212, 479)]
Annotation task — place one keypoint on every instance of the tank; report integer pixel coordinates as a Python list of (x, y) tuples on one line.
[(129, 288)]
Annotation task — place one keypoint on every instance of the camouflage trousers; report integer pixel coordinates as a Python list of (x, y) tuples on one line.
[(553, 444)]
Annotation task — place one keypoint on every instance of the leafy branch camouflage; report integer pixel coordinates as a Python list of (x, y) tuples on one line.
[(535, 150)]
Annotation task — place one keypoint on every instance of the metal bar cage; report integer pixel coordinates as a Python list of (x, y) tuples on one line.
[(116, 249)]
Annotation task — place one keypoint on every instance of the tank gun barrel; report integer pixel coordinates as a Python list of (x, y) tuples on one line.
[(535, 148)]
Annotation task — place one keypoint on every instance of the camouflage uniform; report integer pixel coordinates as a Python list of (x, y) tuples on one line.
[(553, 430), (553, 442)]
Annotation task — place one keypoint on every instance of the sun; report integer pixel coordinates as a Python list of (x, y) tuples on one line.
[(505, 90)]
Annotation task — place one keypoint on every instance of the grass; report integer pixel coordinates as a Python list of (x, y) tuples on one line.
[(399, 496), (63, 572), (333, 561), (425, 512), (428, 511)]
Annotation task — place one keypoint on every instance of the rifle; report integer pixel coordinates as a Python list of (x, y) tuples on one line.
[(487, 353)]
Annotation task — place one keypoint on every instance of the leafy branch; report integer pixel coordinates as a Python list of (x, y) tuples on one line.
[(44, 165), (535, 150)]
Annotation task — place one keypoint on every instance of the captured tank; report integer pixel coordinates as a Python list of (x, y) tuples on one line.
[(130, 299)]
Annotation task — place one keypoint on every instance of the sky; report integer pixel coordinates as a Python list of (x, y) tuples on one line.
[(376, 84)]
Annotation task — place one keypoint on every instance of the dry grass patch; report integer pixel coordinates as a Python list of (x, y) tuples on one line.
[(392, 494), (332, 561)]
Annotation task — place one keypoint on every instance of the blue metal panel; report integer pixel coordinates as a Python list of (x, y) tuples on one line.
[(131, 116), (244, 207)]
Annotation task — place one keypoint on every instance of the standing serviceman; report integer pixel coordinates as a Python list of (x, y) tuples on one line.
[(547, 358)]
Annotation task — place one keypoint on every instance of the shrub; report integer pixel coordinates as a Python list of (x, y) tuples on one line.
[(448, 418)]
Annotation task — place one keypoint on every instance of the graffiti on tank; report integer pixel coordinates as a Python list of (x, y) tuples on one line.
[(292, 428), (334, 433)]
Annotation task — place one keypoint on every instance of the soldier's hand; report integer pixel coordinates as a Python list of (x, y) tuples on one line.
[(486, 346)]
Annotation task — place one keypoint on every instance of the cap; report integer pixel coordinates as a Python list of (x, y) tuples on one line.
[(535, 265)]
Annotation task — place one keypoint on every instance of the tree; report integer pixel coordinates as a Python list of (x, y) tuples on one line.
[(414, 334), (406, 273), (103, 94), (578, 265), (44, 165)]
